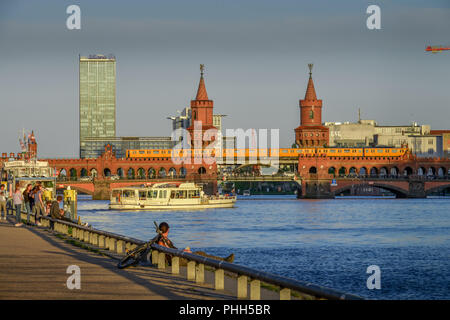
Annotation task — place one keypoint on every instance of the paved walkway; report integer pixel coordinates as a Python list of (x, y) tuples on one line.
[(33, 264)]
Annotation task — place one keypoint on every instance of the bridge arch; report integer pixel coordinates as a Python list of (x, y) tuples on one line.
[(201, 170), (431, 171), (162, 172), (130, 173), (83, 172), (120, 172), (408, 171), (437, 189), (141, 173), (399, 192), (352, 171), (332, 170), (78, 189), (441, 172), (94, 172), (342, 171), (151, 174), (421, 171), (383, 172), (363, 171), (107, 172), (373, 172), (313, 170), (183, 172), (62, 173), (172, 172), (73, 173), (394, 171)]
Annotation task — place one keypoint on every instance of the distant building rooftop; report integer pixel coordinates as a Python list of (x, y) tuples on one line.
[(98, 57)]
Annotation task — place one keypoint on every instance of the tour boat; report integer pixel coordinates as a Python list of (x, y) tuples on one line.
[(165, 196)]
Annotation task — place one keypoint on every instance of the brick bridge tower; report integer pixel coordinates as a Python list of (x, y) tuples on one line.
[(32, 146), (202, 121), (201, 114), (311, 132)]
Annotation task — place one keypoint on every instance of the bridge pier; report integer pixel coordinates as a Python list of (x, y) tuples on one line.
[(416, 189), (101, 190), (315, 189)]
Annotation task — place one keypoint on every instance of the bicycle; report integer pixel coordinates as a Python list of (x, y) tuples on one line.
[(140, 253)]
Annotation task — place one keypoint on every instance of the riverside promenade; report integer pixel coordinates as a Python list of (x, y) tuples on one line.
[(34, 260)]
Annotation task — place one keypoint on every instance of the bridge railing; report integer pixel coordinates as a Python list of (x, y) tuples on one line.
[(196, 264)]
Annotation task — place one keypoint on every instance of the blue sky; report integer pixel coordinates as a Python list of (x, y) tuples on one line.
[(256, 55)]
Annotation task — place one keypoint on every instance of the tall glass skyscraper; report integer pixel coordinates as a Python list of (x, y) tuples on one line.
[(97, 98)]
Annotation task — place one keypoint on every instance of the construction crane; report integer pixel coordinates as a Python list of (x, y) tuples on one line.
[(436, 49)]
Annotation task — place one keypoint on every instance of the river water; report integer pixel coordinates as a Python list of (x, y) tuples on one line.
[(326, 242)]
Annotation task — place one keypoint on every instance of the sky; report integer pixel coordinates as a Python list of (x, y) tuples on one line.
[(255, 52)]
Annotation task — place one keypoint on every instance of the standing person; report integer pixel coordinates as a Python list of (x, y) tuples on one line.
[(17, 201), (26, 201), (2, 201), (31, 198), (38, 204)]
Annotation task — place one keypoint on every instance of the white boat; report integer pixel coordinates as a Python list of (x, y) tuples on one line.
[(165, 196), (246, 193)]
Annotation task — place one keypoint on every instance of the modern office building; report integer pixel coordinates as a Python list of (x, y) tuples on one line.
[(95, 147), (444, 136), (369, 133), (97, 76)]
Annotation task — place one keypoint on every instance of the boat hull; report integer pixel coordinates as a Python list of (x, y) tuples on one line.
[(171, 206)]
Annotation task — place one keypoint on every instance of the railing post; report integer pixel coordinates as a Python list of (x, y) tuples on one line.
[(101, 241), (200, 273), (175, 265), (112, 244), (242, 287), (191, 270), (95, 239), (219, 279), (161, 260), (155, 257), (285, 294), (81, 234), (87, 235), (255, 290), (74, 232), (119, 246)]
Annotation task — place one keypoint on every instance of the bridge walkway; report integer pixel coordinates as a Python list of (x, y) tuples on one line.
[(33, 264)]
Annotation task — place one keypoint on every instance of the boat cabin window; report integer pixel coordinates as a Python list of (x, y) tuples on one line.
[(194, 194), (128, 193), (162, 193), (182, 194), (152, 194), (142, 195)]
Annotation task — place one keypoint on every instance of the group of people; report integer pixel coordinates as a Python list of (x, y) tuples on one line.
[(33, 201)]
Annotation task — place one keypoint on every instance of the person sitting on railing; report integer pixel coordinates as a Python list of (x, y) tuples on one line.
[(56, 212), (163, 240)]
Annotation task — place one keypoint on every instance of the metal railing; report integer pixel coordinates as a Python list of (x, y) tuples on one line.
[(196, 264)]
